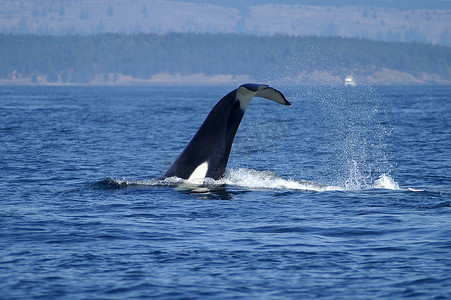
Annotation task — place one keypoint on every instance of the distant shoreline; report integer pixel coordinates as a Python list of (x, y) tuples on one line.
[(385, 77), (192, 59)]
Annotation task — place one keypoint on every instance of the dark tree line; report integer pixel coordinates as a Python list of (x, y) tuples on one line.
[(81, 58)]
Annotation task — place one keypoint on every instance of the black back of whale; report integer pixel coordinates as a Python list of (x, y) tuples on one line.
[(213, 141)]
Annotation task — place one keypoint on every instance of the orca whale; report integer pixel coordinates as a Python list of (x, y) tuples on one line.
[(208, 151)]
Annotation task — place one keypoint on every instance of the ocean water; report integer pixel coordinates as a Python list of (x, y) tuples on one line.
[(346, 194)]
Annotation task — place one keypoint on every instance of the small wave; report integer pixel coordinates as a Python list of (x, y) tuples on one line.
[(115, 183)]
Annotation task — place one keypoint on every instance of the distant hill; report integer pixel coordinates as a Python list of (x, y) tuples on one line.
[(397, 4), (425, 21), (216, 58)]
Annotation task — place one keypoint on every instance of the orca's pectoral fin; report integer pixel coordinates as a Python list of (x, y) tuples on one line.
[(270, 93)]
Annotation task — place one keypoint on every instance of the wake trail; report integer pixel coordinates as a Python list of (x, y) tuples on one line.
[(251, 179)]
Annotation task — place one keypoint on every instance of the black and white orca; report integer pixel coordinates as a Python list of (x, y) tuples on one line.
[(208, 152)]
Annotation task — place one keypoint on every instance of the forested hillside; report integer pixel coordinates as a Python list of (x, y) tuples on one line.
[(425, 21), (105, 57)]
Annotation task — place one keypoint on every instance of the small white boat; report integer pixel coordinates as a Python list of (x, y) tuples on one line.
[(349, 81)]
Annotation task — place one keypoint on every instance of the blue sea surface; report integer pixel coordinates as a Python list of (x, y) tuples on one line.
[(346, 194)]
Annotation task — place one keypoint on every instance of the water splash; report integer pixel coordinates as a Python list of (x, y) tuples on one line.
[(356, 180), (386, 182)]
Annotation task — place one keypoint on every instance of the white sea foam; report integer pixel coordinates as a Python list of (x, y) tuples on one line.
[(257, 180), (268, 180)]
